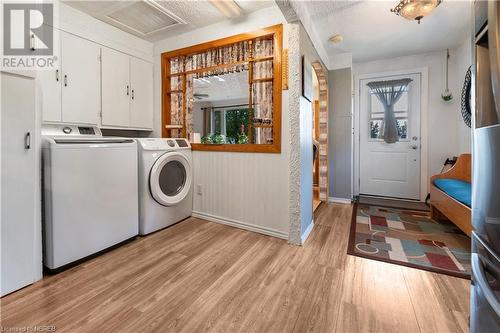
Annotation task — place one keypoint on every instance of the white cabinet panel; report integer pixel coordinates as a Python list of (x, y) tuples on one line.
[(115, 88), (141, 104), (81, 80), (50, 86), (19, 176)]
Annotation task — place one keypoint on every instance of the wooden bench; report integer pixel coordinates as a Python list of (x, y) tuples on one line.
[(443, 205)]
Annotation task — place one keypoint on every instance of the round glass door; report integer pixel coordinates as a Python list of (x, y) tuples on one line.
[(170, 179)]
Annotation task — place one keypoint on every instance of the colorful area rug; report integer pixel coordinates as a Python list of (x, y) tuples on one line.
[(409, 238)]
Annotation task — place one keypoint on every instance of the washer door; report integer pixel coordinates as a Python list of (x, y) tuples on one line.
[(170, 179)]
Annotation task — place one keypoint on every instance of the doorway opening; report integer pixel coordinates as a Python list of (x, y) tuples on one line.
[(392, 164), (320, 135)]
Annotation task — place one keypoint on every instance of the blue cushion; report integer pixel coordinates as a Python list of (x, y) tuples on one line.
[(457, 189)]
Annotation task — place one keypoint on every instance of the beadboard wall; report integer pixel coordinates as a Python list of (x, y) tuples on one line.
[(245, 190)]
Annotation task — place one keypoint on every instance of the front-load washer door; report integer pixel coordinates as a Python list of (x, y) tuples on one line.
[(170, 179)]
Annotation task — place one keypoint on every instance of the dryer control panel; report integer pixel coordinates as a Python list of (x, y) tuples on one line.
[(164, 144)]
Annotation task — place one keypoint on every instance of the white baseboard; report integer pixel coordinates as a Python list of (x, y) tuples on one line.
[(241, 225), (339, 200), (307, 232)]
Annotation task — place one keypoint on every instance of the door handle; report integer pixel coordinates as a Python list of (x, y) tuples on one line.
[(415, 147), (65, 80), (128, 90), (479, 277), (57, 75), (27, 141), (132, 93), (32, 42)]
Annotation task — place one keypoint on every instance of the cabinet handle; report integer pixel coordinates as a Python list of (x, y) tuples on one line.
[(128, 90), (132, 93), (57, 75), (32, 42), (27, 141), (65, 80)]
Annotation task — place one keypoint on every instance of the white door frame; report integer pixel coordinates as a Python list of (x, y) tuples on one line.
[(424, 137)]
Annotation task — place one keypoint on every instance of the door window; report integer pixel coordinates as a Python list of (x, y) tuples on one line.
[(401, 110)]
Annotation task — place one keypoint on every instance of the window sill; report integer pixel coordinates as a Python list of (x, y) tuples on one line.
[(236, 148)]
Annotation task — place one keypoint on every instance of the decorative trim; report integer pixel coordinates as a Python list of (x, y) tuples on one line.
[(241, 225), (307, 232), (284, 70), (323, 128), (340, 200)]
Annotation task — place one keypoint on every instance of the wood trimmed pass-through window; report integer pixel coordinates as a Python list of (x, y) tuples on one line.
[(243, 52)]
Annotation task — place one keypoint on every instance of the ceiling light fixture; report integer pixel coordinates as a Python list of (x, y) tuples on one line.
[(335, 39), (415, 9), (228, 8)]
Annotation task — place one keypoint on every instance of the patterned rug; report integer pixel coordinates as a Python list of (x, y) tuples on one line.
[(409, 238)]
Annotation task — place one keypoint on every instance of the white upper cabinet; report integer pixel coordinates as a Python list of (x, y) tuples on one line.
[(71, 93), (97, 85), (50, 82), (80, 80), (141, 104), (115, 88), (127, 91)]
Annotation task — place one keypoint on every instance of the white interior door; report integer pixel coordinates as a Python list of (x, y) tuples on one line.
[(115, 88), (141, 104), (81, 73), (390, 169)]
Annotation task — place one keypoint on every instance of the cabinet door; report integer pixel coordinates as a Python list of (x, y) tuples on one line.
[(50, 87), (115, 88), (81, 71), (18, 182), (141, 104)]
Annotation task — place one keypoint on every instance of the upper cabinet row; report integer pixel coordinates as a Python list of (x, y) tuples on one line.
[(99, 86)]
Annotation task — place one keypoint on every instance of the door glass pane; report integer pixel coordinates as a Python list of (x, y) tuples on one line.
[(401, 110), (172, 178)]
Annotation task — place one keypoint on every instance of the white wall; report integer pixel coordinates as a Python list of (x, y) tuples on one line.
[(446, 135), (249, 190), (460, 60)]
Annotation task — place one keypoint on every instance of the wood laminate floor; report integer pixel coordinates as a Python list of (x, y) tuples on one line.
[(199, 276)]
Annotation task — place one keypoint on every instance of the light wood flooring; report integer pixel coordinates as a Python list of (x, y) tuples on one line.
[(199, 276)]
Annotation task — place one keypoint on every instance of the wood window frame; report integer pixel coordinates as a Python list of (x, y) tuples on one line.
[(276, 32)]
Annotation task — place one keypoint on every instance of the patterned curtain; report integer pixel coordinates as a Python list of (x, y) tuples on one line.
[(238, 54)]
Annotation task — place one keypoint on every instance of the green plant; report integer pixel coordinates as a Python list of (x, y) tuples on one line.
[(242, 139), (206, 139), (218, 139)]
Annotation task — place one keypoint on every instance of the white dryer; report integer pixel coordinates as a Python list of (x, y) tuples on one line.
[(165, 183)]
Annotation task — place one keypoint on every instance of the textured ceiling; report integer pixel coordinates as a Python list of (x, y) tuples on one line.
[(195, 13), (372, 32), (234, 86)]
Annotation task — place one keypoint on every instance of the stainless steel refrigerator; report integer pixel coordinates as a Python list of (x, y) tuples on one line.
[(485, 287)]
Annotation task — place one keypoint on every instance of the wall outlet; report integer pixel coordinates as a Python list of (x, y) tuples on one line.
[(199, 190)]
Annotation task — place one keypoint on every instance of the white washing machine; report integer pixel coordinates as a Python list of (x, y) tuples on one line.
[(165, 182), (90, 192)]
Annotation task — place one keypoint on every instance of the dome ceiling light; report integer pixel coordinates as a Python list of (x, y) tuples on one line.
[(415, 9), (335, 39)]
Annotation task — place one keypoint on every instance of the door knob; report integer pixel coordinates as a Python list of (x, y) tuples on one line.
[(415, 147)]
